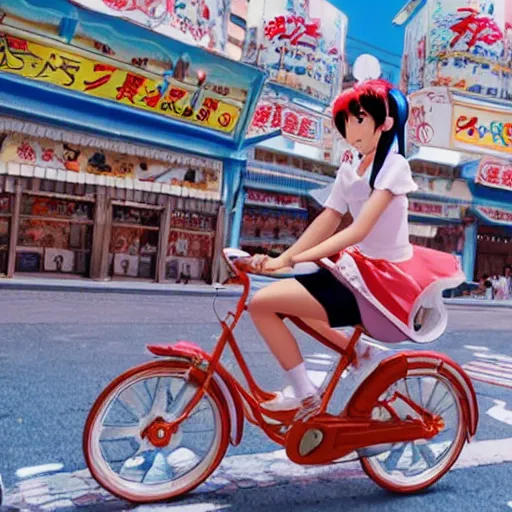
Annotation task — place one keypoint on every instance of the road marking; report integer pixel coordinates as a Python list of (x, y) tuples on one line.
[(235, 472), (476, 347), (193, 507), (38, 470), (490, 368), (500, 412)]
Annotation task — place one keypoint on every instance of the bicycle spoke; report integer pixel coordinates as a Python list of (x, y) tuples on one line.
[(118, 432), (432, 393), (394, 456), (160, 398), (181, 400), (131, 399)]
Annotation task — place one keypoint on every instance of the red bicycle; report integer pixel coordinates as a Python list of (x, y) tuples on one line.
[(162, 428)]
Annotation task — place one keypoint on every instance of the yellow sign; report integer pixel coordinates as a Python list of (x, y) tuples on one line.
[(483, 128), (189, 102)]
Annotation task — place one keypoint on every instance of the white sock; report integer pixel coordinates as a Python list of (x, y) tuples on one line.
[(299, 379)]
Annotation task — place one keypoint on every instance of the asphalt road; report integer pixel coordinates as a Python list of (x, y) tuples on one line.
[(58, 350)]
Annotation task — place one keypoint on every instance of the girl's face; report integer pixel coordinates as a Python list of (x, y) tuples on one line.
[(361, 132)]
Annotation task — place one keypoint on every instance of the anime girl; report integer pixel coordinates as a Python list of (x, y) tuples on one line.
[(371, 117)]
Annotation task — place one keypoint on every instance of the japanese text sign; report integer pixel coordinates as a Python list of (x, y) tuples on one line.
[(495, 174), (299, 43), (185, 96)]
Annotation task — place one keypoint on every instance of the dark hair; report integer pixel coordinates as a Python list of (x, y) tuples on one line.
[(379, 99)]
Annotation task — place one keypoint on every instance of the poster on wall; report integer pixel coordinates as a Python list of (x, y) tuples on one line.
[(59, 260), (300, 43), (201, 174), (200, 22), (183, 269), (190, 244), (192, 91), (126, 265), (470, 46)]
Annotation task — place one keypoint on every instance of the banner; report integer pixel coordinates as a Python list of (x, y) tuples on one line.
[(296, 123), (261, 198), (299, 43), (495, 215), (185, 171), (495, 174), (200, 22), (183, 93), (432, 209), (489, 129)]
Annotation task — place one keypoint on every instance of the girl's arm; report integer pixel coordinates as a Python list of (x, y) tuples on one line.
[(323, 227), (355, 233)]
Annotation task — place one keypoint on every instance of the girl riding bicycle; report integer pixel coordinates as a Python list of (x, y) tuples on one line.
[(372, 118)]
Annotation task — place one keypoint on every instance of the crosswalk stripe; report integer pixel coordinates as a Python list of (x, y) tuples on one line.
[(488, 379), (490, 368)]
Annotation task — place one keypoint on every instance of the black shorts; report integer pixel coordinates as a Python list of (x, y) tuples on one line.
[(337, 300)]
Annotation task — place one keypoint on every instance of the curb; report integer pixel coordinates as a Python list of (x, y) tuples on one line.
[(109, 287), (479, 303)]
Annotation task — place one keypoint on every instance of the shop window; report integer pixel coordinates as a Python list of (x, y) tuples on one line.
[(5, 223), (55, 235), (134, 242), (190, 246), (271, 231)]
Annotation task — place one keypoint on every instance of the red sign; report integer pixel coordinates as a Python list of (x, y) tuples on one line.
[(292, 28), (495, 174), (431, 209), (294, 122), (259, 197), (496, 216)]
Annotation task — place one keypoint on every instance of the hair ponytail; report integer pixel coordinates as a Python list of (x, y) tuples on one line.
[(399, 111)]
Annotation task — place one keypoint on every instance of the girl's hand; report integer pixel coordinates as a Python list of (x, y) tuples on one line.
[(263, 263)]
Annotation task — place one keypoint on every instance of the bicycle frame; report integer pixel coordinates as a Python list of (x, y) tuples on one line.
[(282, 420)]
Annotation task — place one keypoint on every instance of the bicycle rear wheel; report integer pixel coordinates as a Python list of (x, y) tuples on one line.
[(413, 466), (130, 456)]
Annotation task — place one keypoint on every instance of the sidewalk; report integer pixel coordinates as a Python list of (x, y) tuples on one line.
[(194, 288)]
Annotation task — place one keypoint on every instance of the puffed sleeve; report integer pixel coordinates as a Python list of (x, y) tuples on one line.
[(396, 176), (336, 199)]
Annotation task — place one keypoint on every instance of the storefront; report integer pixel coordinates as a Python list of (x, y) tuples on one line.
[(113, 164), (456, 70), (301, 46)]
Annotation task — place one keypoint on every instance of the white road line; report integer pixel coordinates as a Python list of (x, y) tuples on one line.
[(475, 347), (488, 370), (500, 412), (493, 364), (38, 470), (488, 379), (494, 357)]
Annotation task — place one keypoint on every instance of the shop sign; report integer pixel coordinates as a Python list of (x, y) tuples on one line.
[(201, 22), (481, 128), (260, 198), (185, 93), (432, 209), (495, 215), (299, 43), (469, 46), (181, 170), (495, 174), (296, 123)]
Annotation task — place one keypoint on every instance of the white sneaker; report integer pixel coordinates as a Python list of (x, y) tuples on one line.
[(283, 401)]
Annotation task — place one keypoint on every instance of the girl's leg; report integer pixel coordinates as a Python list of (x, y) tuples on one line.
[(287, 297)]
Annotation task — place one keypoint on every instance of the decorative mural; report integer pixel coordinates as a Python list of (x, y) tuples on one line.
[(467, 45), (299, 43), (201, 22)]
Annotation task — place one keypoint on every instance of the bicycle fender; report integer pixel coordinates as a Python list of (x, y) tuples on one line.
[(407, 364), (195, 355)]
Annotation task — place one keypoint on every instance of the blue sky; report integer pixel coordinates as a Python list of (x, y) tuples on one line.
[(370, 21)]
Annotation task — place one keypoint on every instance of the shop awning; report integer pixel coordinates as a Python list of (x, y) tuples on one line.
[(41, 171)]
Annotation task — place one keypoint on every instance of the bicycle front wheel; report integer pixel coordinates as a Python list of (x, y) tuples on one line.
[(130, 456)]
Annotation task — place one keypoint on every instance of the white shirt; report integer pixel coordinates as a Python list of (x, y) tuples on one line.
[(389, 238)]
